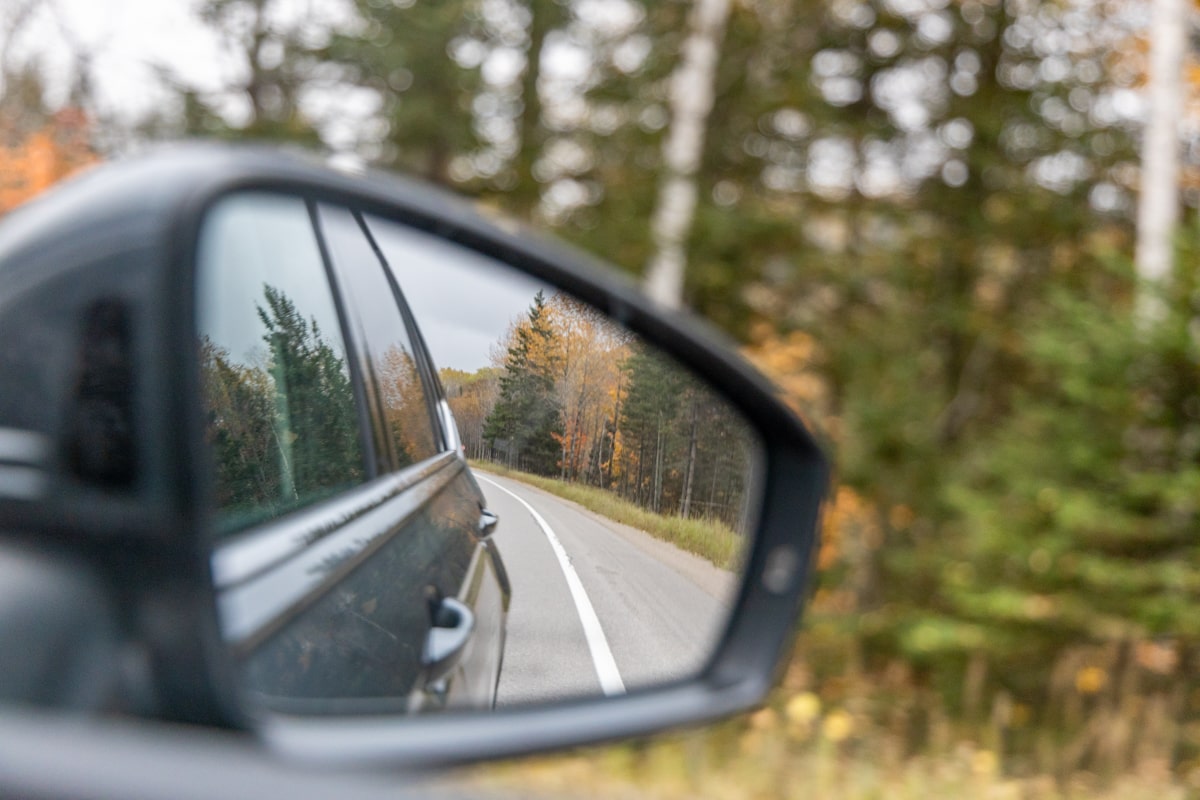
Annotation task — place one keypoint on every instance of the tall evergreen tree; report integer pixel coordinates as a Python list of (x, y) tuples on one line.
[(405, 53), (316, 425), (527, 418), (648, 419)]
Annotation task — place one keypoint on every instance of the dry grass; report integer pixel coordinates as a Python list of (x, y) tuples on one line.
[(801, 745), (770, 759), (708, 539)]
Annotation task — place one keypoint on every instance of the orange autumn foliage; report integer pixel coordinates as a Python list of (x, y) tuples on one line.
[(852, 523), (32, 161), (789, 360)]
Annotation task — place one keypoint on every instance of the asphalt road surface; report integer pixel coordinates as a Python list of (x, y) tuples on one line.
[(597, 607)]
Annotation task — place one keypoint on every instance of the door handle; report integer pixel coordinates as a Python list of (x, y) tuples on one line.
[(487, 522), (453, 624)]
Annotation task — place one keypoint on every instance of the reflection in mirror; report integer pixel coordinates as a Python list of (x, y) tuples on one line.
[(272, 364), (376, 398)]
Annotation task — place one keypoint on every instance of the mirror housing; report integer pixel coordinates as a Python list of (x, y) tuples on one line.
[(104, 433)]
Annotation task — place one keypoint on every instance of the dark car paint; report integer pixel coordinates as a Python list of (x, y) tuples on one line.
[(342, 623), (352, 642)]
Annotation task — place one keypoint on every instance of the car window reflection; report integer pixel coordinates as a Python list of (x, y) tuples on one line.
[(281, 419)]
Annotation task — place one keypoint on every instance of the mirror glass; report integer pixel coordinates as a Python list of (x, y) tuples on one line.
[(438, 482)]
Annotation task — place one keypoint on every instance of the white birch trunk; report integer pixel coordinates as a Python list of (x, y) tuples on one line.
[(1158, 205), (691, 101)]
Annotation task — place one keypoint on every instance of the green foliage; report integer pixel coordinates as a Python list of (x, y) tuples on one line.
[(401, 51), (240, 411), (316, 410), (681, 446), (1086, 501), (647, 421), (526, 417), (284, 434)]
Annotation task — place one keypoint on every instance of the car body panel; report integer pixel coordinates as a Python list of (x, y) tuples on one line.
[(339, 611)]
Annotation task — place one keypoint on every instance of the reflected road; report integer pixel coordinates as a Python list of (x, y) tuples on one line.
[(660, 610)]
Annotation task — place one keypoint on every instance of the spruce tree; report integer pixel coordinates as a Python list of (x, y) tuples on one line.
[(527, 418)]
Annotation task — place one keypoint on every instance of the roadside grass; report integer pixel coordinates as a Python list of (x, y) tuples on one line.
[(772, 754), (711, 540), (669, 771), (864, 737)]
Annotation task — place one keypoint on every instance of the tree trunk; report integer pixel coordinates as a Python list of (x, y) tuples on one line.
[(527, 192), (689, 472), (1158, 206), (616, 422), (640, 495), (595, 453), (691, 101), (658, 465)]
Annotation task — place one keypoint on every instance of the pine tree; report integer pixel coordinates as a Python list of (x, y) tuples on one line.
[(404, 54), (316, 425), (648, 418), (527, 418)]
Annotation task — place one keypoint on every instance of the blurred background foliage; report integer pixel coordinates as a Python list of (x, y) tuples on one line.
[(917, 215)]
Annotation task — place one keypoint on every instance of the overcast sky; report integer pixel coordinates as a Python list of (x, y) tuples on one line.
[(463, 302), (129, 39)]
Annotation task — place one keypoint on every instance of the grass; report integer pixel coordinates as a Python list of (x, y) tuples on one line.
[(867, 738), (772, 754), (711, 540), (664, 772)]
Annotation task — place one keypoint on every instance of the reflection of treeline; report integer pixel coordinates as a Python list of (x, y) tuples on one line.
[(404, 407), (576, 397), (284, 431)]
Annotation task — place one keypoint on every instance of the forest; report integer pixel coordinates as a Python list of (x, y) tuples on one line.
[(576, 397), (282, 432), (917, 216)]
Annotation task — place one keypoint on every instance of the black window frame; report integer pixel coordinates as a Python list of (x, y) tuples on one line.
[(426, 368), (362, 420), (387, 461), (361, 402), (382, 455)]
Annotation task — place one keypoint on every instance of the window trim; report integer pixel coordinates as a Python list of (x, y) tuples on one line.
[(435, 393), (361, 403), (383, 454)]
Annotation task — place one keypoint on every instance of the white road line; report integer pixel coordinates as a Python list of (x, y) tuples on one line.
[(602, 657)]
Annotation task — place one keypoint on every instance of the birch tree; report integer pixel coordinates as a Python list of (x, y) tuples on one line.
[(691, 100), (1158, 206)]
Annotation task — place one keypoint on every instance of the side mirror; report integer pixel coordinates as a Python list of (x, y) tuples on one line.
[(380, 479)]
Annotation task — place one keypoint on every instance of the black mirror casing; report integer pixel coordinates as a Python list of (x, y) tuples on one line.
[(124, 241), (90, 329)]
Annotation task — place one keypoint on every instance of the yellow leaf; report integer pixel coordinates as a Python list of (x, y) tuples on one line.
[(803, 708), (1090, 680), (984, 763), (838, 726)]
